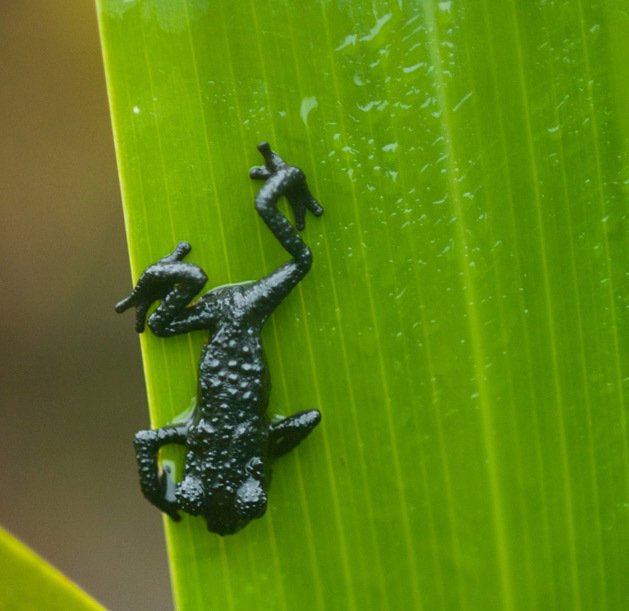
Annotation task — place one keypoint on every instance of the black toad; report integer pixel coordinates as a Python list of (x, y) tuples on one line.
[(229, 441)]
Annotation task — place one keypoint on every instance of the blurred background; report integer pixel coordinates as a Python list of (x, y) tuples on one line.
[(71, 383)]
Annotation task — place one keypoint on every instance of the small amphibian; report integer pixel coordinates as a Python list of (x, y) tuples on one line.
[(229, 441)]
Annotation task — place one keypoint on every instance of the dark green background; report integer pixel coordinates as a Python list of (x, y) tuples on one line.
[(71, 385)]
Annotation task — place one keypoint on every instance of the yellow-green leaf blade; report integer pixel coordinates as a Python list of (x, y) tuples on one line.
[(29, 582), (463, 329)]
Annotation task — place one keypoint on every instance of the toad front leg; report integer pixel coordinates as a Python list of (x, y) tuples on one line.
[(286, 434), (158, 487)]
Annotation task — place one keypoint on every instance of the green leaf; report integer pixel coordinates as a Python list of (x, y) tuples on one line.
[(28, 582), (463, 329)]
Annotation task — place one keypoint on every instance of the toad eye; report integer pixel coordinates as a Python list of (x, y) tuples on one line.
[(255, 468), (250, 499)]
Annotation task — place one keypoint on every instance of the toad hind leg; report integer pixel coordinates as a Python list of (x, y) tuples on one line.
[(172, 280), (281, 180), (155, 487), (285, 434)]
